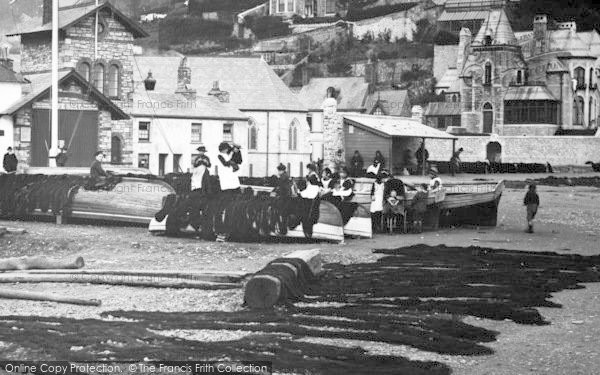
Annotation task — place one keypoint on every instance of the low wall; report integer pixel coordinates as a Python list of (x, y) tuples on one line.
[(555, 150)]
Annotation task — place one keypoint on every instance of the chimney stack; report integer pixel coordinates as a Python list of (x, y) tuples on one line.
[(417, 113), (540, 33), (184, 80), (5, 61), (47, 12), (222, 96), (464, 43)]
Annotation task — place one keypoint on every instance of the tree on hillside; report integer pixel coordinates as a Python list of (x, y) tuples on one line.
[(586, 13)]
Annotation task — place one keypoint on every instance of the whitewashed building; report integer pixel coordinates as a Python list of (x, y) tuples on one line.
[(276, 130)]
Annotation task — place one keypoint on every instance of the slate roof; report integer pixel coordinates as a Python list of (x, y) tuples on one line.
[(8, 76), (391, 102), (529, 93), (449, 81), (153, 104), (498, 27), (69, 16), (41, 84), (391, 126), (442, 109), (352, 93), (250, 81)]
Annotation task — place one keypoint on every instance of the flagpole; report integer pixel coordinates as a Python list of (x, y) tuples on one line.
[(53, 151)]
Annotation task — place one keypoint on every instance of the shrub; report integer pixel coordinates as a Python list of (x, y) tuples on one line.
[(177, 30), (268, 26)]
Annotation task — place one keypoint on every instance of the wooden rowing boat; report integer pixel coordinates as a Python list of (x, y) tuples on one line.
[(472, 203), (133, 200), (328, 227)]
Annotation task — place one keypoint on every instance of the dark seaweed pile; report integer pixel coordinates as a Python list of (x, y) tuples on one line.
[(483, 168), (557, 181), (243, 217), (23, 193), (411, 296)]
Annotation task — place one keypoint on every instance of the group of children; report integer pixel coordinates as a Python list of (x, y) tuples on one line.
[(328, 185)]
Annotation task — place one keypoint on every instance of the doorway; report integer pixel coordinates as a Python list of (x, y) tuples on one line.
[(162, 161), (116, 152), (78, 130), (494, 152), (488, 118), (176, 161)]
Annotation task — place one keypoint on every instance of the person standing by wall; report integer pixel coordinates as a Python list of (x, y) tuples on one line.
[(377, 192), (357, 164), (10, 161), (532, 202), (283, 188), (455, 162), (422, 156), (200, 174), (62, 157)]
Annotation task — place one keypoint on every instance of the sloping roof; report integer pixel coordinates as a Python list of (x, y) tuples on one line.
[(41, 84), (498, 27), (567, 40), (251, 83), (8, 76), (442, 109), (69, 16), (449, 81), (529, 93), (153, 104), (463, 15), (473, 4), (391, 102), (391, 126), (352, 93)]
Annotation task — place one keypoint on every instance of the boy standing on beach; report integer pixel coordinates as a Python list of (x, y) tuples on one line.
[(532, 202)]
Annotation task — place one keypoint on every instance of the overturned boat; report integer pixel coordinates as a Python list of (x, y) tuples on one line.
[(65, 193)]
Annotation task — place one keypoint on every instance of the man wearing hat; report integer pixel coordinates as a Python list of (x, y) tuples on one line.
[(10, 161), (202, 157), (283, 188), (200, 174)]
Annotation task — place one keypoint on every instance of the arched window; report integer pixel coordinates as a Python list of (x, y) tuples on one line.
[(488, 74), (331, 93), (488, 118), (84, 68), (252, 135), (99, 72), (293, 136), (591, 76), (114, 80), (580, 77), (578, 111), (454, 98), (519, 77)]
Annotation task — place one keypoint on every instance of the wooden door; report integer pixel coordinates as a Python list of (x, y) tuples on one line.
[(78, 130)]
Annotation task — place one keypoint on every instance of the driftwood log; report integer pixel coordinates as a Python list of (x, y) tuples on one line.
[(211, 276), (129, 281), (38, 263), (283, 280), (31, 296)]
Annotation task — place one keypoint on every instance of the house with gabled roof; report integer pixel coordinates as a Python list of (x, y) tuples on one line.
[(95, 86), (277, 129)]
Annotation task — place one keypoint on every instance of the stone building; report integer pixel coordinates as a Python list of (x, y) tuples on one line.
[(304, 8), (529, 83), (96, 84)]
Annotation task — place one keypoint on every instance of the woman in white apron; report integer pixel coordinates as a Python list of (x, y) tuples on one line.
[(228, 178), (377, 197)]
